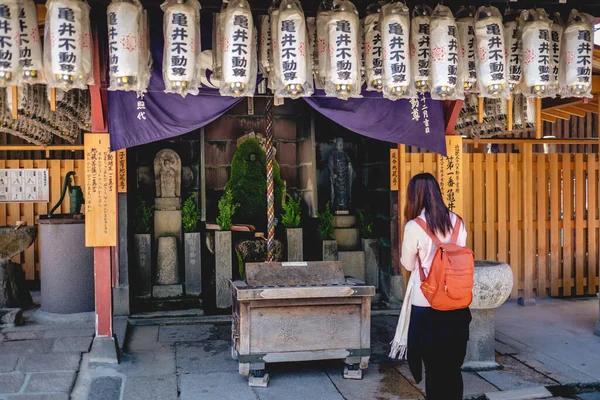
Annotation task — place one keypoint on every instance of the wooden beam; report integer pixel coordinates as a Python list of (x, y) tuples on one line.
[(532, 141), (558, 114), (98, 117), (538, 118), (596, 84), (589, 107), (15, 102), (52, 99), (509, 107), (480, 110), (548, 118), (573, 111), (452, 113)]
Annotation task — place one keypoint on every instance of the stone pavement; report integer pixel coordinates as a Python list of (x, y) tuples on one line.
[(40, 361)]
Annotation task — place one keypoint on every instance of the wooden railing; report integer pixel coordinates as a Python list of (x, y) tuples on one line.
[(10, 213), (562, 227)]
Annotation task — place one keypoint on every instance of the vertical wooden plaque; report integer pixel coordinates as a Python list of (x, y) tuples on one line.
[(450, 174), (122, 171), (100, 191), (394, 169)]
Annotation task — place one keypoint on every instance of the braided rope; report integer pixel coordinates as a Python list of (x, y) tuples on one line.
[(270, 185)]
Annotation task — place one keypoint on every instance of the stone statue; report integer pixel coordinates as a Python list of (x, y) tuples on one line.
[(167, 178), (341, 175)]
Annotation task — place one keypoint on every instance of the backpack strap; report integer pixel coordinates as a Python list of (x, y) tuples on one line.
[(456, 231), (424, 226)]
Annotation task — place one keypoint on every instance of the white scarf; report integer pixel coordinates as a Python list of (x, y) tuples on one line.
[(400, 342)]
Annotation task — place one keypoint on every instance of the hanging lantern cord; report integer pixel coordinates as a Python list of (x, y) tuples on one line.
[(270, 194)]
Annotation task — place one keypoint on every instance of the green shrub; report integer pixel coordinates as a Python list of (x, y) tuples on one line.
[(226, 211), (190, 214), (142, 217), (291, 212), (248, 184), (365, 224), (326, 222)]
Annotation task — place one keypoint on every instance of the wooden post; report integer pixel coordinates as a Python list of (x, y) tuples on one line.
[(402, 185), (15, 102), (509, 106), (103, 292), (480, 110), (52, 99), (538, 118), (529, 249)]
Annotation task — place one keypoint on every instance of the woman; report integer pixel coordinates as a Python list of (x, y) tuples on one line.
[(435, 338)]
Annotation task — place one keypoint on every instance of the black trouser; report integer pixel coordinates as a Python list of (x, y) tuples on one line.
[(443, 377)]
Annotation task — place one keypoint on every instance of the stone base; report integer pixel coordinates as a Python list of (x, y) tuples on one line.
[(330, 250), (142, 255), (121, 300), (395, 292), (344, 221), (167, 203), (353, 263), (371, 249), (223, 267), (347, 238), (597, 330), (104, 351), (481, 348), (525, 302), (255, 381), (164, 291), (295, 249), (168, 223), (167, 261), (193, 263), (13, 287), (355, 374)]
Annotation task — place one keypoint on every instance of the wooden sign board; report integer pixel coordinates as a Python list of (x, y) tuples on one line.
[(100, 191), (450, 174), (122, 171), (394, 169), (24, 185)]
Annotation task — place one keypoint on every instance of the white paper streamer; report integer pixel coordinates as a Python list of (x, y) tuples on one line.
[(322, 46), (557, 33), (264, 45), (311, 26)]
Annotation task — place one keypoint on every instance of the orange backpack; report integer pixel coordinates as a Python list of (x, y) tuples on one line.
[(449, 285)]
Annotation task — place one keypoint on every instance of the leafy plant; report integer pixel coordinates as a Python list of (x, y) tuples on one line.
[(291, 212), (190, 214), (142, 217), (241, 266), (326, 222), (365, 224), (226, 211)]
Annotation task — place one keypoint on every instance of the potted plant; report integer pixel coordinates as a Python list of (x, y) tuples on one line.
[(223, 249), (192, 242), (291, 221), (370, 246), (142, 245), (326, 229)]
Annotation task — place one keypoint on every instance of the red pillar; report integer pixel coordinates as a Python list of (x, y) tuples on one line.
[(103, 291)]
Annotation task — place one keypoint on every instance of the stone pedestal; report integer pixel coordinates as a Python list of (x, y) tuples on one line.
[(353, 263), (223, 267), (167, 269), (193, 266), (142, 249), (371, 250), (330, 250), (345, 232), (295, 249), (168, 223), (493, 285)]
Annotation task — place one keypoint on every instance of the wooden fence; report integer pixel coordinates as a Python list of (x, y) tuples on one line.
[(10, 213), (544, 223)]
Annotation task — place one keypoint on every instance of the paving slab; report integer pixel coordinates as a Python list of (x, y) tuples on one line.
[(151, 388), (38, 346), (142, 338), (159, 360), (217, 386), (298, 384), (105, 388), (171, 334), (72, 345), (382, 381), (50, 396), (505, 349), (539, 392), (208, 356), (589, 396), (8, 362), (49, 362), (48, 382), (25, 335), (507, 380), (68, 333), (11, 383)]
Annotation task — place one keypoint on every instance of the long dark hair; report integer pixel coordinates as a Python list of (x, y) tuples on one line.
[(424, 193)]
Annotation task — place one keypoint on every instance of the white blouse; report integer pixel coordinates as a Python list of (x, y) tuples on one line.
[(416, 240)]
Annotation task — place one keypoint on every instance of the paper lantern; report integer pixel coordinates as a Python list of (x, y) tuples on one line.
[(264, 46), (556, 37), (467, 70), (181, 54), (239, 51), (31, 45), (275, 72), (491, 57), (343, 72), (323, 15), (10, 69), (395, 37), (311, 26), (445, 84), (361, 54), (536, 53), (419, 47), (373, 50), (292, 55), (512, 41), (128, 53), (576, 60), (67, 45), (218, 41)]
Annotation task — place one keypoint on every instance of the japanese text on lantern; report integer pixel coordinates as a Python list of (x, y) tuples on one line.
[(179, 44), (344, 51), (584, 56), (289, 50), (112, 45), (423, 51), (394, 169), (239, 61), (101, 192), (7, 40), (67, 39), (515, 57), (452, 55), (471, 53), (450, 174), (425, 112), (495, 52), (397, 53), (141, 107)]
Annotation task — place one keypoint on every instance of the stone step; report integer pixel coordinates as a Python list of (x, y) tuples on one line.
[(347, 238), (353, 263), (539, 392)]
